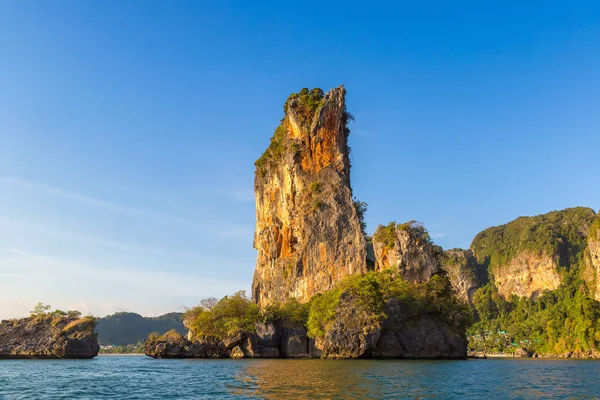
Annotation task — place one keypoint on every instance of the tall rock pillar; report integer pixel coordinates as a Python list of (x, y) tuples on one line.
[(308, 231)]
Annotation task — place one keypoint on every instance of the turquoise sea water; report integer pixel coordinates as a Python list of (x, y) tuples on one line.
[(138, 377)]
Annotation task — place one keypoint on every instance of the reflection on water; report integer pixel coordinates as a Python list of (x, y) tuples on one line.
[(369, 379), (303, 379), (146, 378)]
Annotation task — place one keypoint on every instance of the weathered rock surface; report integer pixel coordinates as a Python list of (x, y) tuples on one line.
[(308, 231), (592, 268), (270, 340), (174, 345), (48, 337), (464, 273), (408, 249), (356, 333), (524, 256), (527, 275)]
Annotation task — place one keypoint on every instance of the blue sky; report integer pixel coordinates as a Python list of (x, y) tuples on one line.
[(129, 130)]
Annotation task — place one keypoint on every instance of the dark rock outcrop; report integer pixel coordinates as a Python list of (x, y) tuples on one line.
[(423, 338), (308, 230), (270, 340), (357, 333), (354, 332), (48, 336), (174, 345)]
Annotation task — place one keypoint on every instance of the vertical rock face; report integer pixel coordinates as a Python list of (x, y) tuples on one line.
[(528, 275), (464, 273), (592, 270), (408, 249), (525, 256), (308, 231)]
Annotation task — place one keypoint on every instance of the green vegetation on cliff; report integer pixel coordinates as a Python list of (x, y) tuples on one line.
[(374, 290), (557, 322), (220, 318), (305, 104), (387, 234), (561, 233), (595, 228), (275, 150)]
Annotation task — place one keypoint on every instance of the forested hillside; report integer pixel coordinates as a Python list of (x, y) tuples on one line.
[(125, 328)]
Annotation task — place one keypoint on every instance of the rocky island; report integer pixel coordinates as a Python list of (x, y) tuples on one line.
[(323, 289), (49, 335), (316, 291)]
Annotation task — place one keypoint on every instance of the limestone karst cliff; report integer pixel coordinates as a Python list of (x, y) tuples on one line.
[(464, 273), (592, 261), (308, 229), (408, 249), (526, 256)]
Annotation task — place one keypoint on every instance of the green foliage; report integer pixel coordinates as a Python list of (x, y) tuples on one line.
[(292, 310), (305, 105), (347, 118), (386, 235), (315, 187), (316, 204), (124, 328), (45, 310), (361, 209), (275, 151), (228, 315), (594, 231), (559, 233), (374, 289), (557, 322), (416, 230), (40, 309), (564, 320)]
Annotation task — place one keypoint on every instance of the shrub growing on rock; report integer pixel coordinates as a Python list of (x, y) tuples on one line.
[(372, 291), (229, 315)]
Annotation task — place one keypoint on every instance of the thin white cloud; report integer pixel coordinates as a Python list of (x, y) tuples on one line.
[(26, 278), (207, 223)]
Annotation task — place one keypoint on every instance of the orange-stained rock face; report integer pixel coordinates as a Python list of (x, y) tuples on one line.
[(308, 234)]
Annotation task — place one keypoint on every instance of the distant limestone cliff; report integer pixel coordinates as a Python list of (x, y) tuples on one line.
[(308, 230), (526, 256)]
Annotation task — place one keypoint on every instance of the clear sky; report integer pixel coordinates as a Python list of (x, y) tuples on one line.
[(129, 129)]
